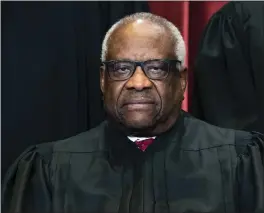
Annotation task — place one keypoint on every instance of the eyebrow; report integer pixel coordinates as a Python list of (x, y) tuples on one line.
[(129, 59)]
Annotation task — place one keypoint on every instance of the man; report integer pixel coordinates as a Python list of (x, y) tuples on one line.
[(182, 165)]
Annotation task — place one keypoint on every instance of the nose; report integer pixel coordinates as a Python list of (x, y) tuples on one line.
[(138, 80)]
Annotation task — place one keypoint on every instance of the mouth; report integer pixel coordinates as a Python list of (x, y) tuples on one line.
[(138, 105)]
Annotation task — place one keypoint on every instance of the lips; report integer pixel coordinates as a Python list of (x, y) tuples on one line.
[(138, 104)]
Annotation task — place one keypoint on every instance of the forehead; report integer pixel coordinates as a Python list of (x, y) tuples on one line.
[(140, 41)]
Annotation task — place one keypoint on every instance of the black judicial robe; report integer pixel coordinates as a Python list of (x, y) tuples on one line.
[(194, 167), (229, 69)]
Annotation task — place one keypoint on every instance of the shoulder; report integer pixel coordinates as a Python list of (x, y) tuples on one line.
[(89, 141), (199, 135), (202, 135), (35, 157)]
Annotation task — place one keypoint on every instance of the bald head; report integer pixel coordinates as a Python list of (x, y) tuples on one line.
[(144, 30)]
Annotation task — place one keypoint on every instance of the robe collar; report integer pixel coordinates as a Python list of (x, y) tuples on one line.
[(121, 150)]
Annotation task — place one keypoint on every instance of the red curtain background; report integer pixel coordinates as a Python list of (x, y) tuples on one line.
[(190, 18)]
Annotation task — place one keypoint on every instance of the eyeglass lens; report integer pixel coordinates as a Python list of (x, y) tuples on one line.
[(155, 69)]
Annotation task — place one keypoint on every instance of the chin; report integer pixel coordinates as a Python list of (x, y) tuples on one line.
[(139, 124)]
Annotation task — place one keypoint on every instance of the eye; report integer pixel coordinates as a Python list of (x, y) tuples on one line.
[(123, 69), (155, 69), (154, 66)]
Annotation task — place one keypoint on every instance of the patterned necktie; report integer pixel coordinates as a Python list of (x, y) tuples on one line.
[(143, 144)]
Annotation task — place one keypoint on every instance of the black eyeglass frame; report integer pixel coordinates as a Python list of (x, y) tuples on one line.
[(141, 64)]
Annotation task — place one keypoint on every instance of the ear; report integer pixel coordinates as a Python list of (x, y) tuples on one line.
[(102, 78), (183, 79)]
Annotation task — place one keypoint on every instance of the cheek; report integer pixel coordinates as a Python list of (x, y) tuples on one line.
[(176, 93), (170, 93), (112, 93)]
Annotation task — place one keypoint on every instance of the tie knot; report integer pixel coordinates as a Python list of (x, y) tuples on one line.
[(143, 144)]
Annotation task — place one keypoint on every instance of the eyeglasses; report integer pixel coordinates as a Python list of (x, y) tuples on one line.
[(156, 69)]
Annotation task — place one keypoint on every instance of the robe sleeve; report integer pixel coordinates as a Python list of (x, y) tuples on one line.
[(250, 174), (26, 186)]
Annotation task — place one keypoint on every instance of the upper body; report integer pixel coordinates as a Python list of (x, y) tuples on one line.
[(191, 166), (194, 167)]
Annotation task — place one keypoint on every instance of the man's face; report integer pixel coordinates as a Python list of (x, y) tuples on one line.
[(141, 103)]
